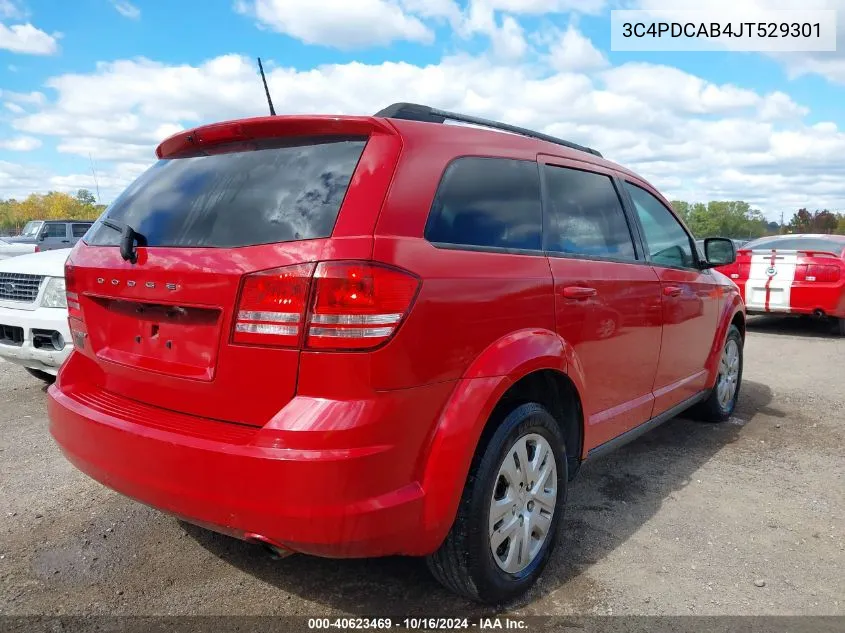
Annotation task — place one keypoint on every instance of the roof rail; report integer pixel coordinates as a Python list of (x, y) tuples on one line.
[(427, 114)]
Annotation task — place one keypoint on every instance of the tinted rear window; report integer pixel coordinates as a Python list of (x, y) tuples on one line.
[(488, 202), (80, 229), (585, 215), (797, 244), (281, 191)]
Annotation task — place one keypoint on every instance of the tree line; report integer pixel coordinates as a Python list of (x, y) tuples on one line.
[(56, 205), (737, 219)]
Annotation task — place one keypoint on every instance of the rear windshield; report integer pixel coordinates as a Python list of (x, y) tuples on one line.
[(280, 191), (797, 244)]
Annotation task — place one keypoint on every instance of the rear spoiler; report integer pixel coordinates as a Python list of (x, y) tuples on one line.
[(804, 253), (245, 130)]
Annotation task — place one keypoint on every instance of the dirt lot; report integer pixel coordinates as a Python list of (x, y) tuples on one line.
[(742, 518)]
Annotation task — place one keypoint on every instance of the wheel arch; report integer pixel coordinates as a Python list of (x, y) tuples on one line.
[(525, 366)]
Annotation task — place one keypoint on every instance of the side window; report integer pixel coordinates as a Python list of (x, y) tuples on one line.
[(667, 242), (79, 230), (585, 215), (491, 202), (56, 230)]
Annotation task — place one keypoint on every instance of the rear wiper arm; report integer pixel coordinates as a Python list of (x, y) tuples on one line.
[(129, 237)]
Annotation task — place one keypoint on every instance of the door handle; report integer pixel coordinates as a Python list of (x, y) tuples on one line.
[(579, 292), (671, 291)]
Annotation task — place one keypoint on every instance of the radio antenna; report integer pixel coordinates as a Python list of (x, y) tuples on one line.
[(94, 173), (266, 90)]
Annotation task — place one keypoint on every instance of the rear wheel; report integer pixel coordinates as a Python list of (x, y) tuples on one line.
[(840, 327), (720, 404), (41, 375), (512, 504)]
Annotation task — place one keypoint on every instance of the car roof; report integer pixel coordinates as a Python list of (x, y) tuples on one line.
[(477, 139)]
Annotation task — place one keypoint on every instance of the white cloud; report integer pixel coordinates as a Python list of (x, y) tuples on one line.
[(126, 9), (537, 7), (10, 10), (26, 39), (572, 52), (508, 40), (20, 144), (692, 138), (26, 98), (339, 23), (14, 107)]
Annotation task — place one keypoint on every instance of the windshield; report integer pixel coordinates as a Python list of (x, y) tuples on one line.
[(31, 229), (281, 191)]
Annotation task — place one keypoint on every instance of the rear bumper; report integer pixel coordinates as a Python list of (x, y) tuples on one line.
[(807, 298), (281, 485), (45, 359)]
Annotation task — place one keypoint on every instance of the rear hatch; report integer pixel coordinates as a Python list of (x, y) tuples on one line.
[(207, 320)]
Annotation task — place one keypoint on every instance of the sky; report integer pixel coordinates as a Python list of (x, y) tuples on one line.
[(91, 86)]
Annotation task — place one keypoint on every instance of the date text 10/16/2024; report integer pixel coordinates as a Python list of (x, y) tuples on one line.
[(416, 623)]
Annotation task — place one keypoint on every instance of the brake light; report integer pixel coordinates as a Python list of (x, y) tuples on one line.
[(358, 305), (817, 272), (271, 309), (737, 270), (354, 305), (37, 249), (76, 322)]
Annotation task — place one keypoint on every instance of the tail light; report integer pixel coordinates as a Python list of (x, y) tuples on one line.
[(353, 305), (271, 310), (737, 270), (37, 249), (358, 305), (76, 321), (817, 272)]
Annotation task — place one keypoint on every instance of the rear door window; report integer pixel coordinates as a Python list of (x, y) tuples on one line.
[(79, 230), (277, 191), (488, 202), (585, 215)]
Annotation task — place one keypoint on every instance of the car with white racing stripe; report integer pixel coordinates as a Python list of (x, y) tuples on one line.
[(34, 328), (796, 274)]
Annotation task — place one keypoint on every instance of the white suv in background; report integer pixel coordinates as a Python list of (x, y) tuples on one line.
[(34, 330)]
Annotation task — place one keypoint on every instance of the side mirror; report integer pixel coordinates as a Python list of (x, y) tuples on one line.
[(719, 251), (42, 236)]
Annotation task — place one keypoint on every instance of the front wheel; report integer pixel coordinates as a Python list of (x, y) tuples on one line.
[(512, 504), (721, 402)]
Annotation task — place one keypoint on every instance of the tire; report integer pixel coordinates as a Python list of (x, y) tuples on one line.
[(42, 375), (466, 563), (840, 327), (713, 409)]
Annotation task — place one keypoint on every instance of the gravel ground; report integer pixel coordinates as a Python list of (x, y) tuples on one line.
[(744, 518)]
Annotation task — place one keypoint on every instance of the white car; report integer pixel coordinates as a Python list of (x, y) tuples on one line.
[(11, 249), (34, 330)]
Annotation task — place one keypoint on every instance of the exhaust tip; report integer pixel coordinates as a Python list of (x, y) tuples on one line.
[(275, 551), (819, 313)]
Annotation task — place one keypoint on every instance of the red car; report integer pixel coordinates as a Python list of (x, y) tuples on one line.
[(793, 274), (364, 336)]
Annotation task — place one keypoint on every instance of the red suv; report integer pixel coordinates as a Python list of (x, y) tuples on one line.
[(365, 336)]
